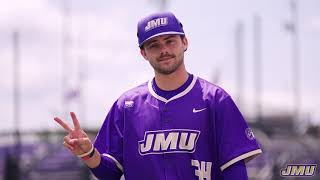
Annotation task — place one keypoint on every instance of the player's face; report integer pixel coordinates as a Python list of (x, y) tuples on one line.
[(165, 53)]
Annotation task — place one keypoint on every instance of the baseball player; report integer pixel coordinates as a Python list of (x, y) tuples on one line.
[(175, 126)]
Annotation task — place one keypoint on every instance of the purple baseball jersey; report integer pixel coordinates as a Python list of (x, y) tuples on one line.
[(194, 135)]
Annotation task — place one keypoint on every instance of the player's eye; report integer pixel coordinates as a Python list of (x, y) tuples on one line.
[(170, 41), (153, 46)]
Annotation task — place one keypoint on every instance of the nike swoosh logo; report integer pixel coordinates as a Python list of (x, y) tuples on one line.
[(198, 110)]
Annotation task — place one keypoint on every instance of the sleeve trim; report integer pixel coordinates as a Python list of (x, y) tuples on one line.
[(241, 157), (114, 160)]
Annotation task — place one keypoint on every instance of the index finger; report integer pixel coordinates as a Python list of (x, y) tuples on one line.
[(75, 121), (63, 124)]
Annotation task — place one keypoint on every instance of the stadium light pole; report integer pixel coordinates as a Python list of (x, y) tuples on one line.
[(292, 28), (66, 43), (295, 58), (257, 65), (83, 71), (16, 97), (163, 5), (239, 49)]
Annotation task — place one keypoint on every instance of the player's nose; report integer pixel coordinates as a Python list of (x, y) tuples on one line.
[(163, 50)]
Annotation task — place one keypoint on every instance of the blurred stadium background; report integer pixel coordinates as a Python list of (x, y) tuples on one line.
[(58, 56)]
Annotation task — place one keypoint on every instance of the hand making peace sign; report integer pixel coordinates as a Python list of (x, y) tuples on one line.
[(77, 141)]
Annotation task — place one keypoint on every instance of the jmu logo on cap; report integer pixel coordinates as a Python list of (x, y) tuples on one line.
[(169, 141), (156, 23)]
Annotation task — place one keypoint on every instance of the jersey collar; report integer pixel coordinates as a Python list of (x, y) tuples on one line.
[(154, 94)]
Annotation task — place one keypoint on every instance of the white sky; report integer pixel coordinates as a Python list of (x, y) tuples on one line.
[(103, 38)]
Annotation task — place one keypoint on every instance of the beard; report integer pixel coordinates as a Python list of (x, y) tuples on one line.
[(162, 69)]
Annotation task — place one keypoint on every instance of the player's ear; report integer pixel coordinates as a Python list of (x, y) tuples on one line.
[(143, 53), (185, 43)]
